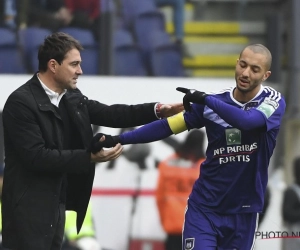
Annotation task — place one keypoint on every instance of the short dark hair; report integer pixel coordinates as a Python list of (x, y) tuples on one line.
[(56, 46), (261, 49)]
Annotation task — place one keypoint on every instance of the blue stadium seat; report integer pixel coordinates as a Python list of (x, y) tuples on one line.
[(159, 38), (30, 40), (127, 59), (10, 55), (90, 54), (166, 61), (144, 25), (165, 56), (122, 37)]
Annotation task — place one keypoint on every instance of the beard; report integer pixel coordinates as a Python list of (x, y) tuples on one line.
[(251, 85)]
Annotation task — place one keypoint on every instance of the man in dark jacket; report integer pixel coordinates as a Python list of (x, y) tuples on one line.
[(49, 167)]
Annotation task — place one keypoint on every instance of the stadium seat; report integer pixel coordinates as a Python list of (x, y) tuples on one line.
[(165, 56), (122, 37), (144, 25), (166, 61), (30, 40), (159, 38), (127, 57), (10, 55), (90, 54)]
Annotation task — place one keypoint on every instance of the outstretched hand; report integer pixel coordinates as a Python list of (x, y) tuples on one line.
[(107, 155), (101, 140), (167, 110), (191, 95)]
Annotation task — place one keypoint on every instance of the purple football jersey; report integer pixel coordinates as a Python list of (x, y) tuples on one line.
[(234, 176)]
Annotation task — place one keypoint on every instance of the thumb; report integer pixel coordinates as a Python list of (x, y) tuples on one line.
[(183, 90)]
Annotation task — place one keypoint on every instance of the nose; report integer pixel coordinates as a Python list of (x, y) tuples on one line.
[(79, 70), (246, 72)]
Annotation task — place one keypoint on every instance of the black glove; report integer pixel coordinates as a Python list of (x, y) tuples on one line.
[(109, 142), (192, 95)]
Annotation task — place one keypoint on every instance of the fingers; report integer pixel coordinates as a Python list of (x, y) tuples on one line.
[(183, 90), (108, 155), (118, 151), (97, 147), (111, 154), (167, 110), (180, 108), (177, 106), (97, 137), (95, 140), (100, 141), (107, 141), (186, 104)]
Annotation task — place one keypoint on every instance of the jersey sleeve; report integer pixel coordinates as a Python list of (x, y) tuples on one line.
[(273, 108), (236, 117), (194, 118), (267, 114), (155, 131)]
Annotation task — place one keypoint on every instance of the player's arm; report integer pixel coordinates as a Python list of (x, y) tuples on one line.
[(236, 117), (150, 132)]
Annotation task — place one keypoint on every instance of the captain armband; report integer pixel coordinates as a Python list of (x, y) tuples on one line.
[(177, 123)]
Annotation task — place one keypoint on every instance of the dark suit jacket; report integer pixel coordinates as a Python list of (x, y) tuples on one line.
[(35, 162)]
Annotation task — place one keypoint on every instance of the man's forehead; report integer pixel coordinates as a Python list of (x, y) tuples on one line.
[(73, 55), (252, 57)]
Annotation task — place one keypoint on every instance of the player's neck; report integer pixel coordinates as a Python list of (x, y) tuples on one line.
[(244, 97)]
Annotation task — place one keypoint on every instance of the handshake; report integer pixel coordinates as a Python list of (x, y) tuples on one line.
[(191, 96), (97, 144)]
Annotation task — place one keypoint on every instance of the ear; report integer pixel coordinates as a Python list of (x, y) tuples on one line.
[(52, 65), (266, 75)]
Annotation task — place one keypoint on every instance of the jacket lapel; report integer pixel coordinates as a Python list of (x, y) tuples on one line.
[(41, 98)]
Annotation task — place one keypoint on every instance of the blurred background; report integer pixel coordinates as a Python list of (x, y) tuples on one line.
[(154, 46)]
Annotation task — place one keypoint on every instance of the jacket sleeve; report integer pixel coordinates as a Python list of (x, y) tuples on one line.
[(121, 115)]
